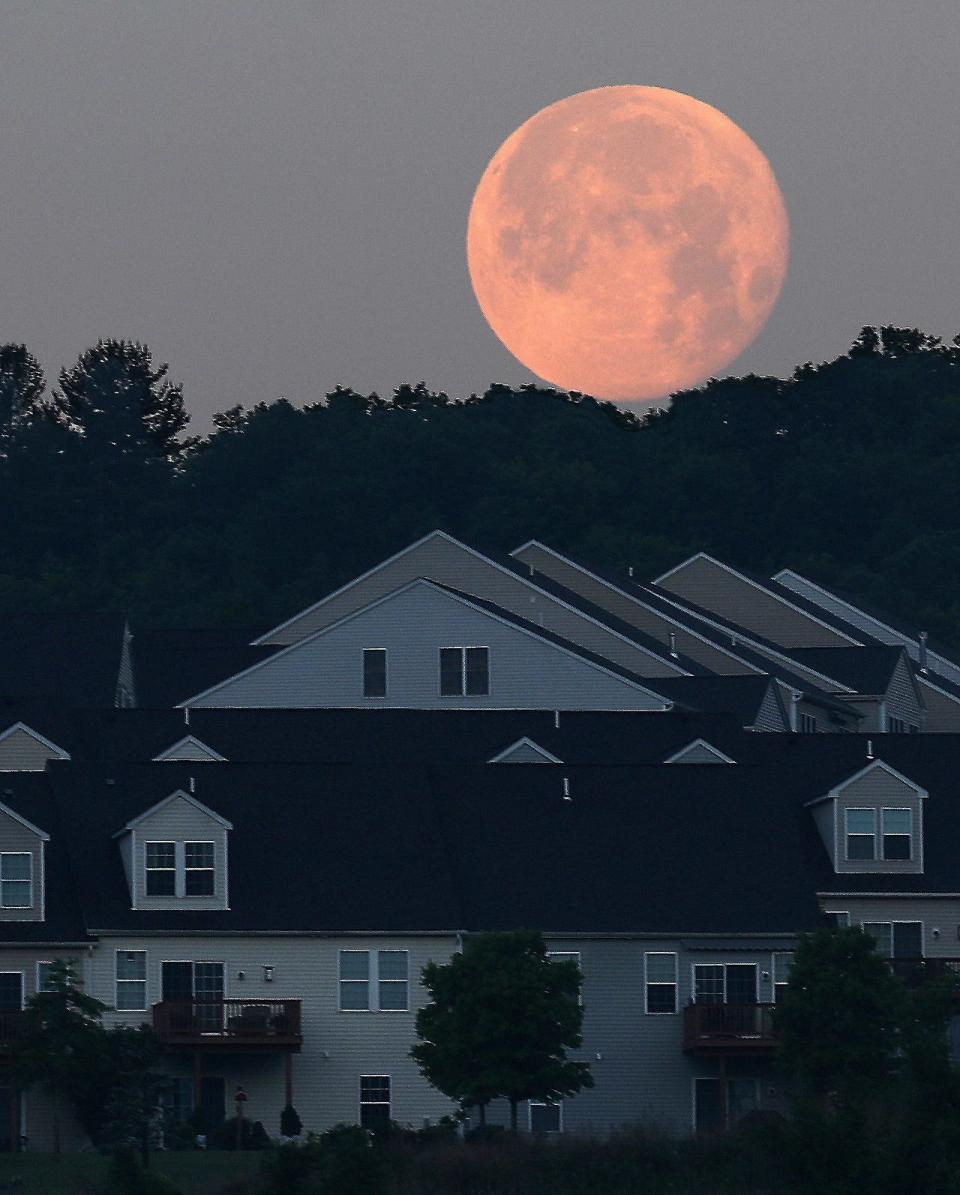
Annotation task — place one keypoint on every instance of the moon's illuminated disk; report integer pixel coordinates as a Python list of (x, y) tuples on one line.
[(627, 242)]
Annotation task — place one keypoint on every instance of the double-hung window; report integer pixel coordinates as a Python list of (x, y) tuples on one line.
[(161, 866), (837, 918), (374, 980), (660, 981), (861, 834), (546, 1117), (464, 671), (16, 880), (374, 1100), (897, 939), (568, 956), (897, 831), (725, 983), (781, 974), (198, 868), (374, 672), (180, 868), (131, 980)]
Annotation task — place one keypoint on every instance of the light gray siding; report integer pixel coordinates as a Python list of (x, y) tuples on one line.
[(179, 821), (710, 584), (935, 912), (17, 838), (23, 751), (439, 558), (942, 708), (633, 611), (524, 752), (413, 624), (771, 715), (879, 789), (902, 697), (189, 750), (699, 752)]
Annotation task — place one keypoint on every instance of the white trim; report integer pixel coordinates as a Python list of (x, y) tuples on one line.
[(900, 921), (117, 981), (44, 836), (896, 834), (373, 978), (37, 737), (178, 793), (168, 755), (848, 833), (462, 648), (464, 600), (724, 965), (676, 984), (755, 585), (677, 756), (871, 766), (40, 962), (32, 903), (524, 741)]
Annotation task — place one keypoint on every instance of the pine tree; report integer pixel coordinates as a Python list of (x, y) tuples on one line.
[(21, 388)]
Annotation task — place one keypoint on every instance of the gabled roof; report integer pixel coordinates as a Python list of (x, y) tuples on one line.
[(73, 658), (22, 727), (867, 670), (741, 696), (27, 825), (170, 665), (177, 795), (699, 745), (520, 744), (175, 751), (876, 765)]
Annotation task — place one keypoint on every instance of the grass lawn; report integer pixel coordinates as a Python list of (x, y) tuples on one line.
[(195, 1173)]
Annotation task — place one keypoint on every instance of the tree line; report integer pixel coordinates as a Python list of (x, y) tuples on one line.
[(845, 470)]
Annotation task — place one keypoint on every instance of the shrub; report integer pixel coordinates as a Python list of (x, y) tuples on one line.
[(290, 1123), (342, 1161), (224, 1136), (128, 1177)]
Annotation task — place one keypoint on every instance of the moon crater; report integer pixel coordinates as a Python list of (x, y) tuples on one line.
[(627, 241)]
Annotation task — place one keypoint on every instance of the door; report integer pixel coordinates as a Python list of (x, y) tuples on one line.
[(198, 990), (741, 983), (213, 1101)]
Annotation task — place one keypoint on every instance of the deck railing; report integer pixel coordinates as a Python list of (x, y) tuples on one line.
[(737, 1026), (913, 971), (245, 1022)]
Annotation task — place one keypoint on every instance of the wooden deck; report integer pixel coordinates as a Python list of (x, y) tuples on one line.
[(229, 1024), (729, 1029)]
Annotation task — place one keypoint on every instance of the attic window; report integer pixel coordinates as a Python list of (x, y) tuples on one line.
[(464, 671), (897, 833), (16, 880), (374, 672), (180, 869), (161, 868), (198, 868), (861, 834)]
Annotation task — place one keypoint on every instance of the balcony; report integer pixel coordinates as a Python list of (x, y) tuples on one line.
[(225, 1024), (729, 1029), (914, 971)]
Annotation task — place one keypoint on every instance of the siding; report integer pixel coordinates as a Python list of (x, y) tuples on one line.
[(634, 612), (413, 624), (879, 789), (15, 837), (698, 753), (709, 584), (943, 710), (525, 753), (190, 750), (21, 751), (901, 697), (178, 820), (444, 560), (771, 715), (939, 913)]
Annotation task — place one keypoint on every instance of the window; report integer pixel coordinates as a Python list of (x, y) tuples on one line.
[(16, 880), (464, 671), (661, 982), (808, 724), (198, 868), (354, 980), (393, 988), (374, 1100), (861, 833), (546, 1117), (374, 672), (43, 977), (896, 939), (836, 918), (725, 983), (567, 956), (161, 869), (781, 975), (131, 980), (177, 1100), (897, 830), (379, 974)]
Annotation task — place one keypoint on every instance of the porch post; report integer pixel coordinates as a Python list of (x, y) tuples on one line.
[(289, 1077), (196, 1079), (724, 1110)]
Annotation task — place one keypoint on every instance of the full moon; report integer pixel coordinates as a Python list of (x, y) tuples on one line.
[(627, 242)]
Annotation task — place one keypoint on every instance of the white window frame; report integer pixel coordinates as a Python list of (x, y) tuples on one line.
[(883, 833), (386, 674), (661, 983), (774, 984), (147, 869), (373, 980), (724, 965), (3, 904), (362, 1103), (859, 834), (117, 980), (900, 921), (566, 956), (182, 850), (41, 962), (838, 913), (462, 648), (531, 1104)]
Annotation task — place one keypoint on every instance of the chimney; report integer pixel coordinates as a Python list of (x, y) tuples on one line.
[(923, 652)]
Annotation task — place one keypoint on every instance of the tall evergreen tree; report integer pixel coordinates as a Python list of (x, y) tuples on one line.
[(21, 388), (121, 402)]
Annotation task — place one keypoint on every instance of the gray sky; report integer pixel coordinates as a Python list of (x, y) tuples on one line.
[(274, 195)]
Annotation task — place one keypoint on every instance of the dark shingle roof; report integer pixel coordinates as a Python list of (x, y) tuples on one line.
[(72, 658), (741, 696), (867, 670), (171, 666)]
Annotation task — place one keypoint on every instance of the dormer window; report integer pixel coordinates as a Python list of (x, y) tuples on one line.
[(180, 868), (199, 870), (16, 880), (161, 868), (861, 833)]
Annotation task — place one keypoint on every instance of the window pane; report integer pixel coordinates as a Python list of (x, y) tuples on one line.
[(15, 894), (199, 883), (43, 977), (907, 939), (478, 672), (896, 846), (11, 991), (861, 821), (374, 1100), (393, 995), (708, 983), (741, 983), (881, 932), (198, 854), (132, 964), (661, 997), (131, 995), (841, 919), (544, 1118), (393, 964), (451, 672), (781, 967), (375, 672), (662, 968), (860, 846), (354, 964), (897, 821), (15, 867), (354, 995), (161, 883), (161, 854)]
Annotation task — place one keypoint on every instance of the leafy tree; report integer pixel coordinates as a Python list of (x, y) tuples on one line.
[(121, 402), (842, 1018), (22, 385), (62, 1039), (499, 1023)]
